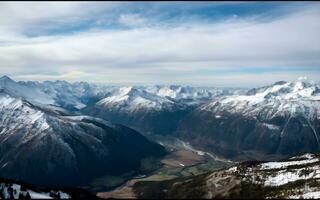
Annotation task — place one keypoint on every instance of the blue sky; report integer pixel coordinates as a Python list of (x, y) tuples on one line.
[(195, 43)]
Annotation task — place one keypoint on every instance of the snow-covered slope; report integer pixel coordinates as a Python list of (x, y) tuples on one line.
[(185, 94), (40, 146), (34, 94), (297, 177), (15, 112), (282, 98), (131, 99), (71, 95)]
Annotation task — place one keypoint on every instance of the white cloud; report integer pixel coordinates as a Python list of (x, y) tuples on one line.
[(132, 20), (290, 41), (22, 17)]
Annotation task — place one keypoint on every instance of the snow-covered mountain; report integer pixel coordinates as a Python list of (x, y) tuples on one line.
[(137, 108), (58, 93), (293, 178), (72, 96), (33, 94), (282, 98), (280, 119), (185, 94), (41, 146), (156, 98), (152, 109), (78, 95), (133, 99)]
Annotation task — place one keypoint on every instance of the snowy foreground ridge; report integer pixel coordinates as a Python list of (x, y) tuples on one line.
[(297, 177), (289, 171), (16, 191)]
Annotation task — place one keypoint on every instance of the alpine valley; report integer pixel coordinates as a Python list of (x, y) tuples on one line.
[(82, 140)]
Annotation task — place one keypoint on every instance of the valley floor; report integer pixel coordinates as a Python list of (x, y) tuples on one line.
[(183, 161)]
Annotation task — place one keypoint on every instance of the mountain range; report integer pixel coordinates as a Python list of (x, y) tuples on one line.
[(60, 133), (149, 109)]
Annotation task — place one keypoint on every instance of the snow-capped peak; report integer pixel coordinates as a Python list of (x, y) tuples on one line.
[(5, 79), (130, 91), (185, 94), (132, 98), (32, 94), (288, 90), (299, 97)]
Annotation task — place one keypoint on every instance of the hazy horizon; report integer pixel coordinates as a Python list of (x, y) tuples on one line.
[(165, 84)]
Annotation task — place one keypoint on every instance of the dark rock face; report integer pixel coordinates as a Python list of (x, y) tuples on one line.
[(234, 135), (299, 135)]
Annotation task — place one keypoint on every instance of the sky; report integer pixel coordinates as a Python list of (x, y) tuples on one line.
[(223, 44)]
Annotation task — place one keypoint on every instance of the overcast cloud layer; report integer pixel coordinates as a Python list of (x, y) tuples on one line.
[(154, 43)]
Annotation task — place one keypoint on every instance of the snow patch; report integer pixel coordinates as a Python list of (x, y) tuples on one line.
[(309, 195), (280, 165)]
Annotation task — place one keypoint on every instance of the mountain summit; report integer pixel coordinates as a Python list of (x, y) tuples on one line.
[(6, 79)]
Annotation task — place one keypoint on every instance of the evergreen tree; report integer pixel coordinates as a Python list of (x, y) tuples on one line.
[(2, 193), (28, 196), (10, 191), (21, 196)]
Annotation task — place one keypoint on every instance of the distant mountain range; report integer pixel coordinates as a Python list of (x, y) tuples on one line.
[(156, 109), (150, 109)]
